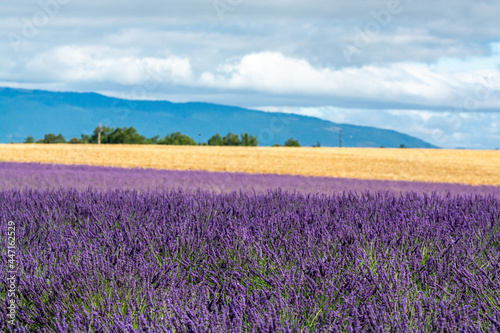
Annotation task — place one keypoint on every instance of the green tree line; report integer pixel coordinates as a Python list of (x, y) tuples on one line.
[(129, 135)]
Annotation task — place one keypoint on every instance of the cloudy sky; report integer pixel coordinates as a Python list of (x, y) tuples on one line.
[(426, 68)]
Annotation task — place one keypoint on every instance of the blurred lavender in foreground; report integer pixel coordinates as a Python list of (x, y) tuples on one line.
[(80, 177)]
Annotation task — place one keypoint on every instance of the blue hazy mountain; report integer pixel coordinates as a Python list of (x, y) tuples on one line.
[(37, 112)]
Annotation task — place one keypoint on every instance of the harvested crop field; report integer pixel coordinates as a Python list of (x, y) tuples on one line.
[(426, 165)]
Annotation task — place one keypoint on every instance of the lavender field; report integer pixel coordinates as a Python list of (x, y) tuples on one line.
[(81, 177), (123, 250), (157, 261)]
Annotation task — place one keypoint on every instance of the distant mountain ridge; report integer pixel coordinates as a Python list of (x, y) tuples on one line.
[(37, 112)]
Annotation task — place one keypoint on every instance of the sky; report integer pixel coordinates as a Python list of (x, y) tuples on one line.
[(430, 69)]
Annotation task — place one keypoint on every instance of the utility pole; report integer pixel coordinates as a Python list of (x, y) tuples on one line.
[(99, 134), (340, 137)]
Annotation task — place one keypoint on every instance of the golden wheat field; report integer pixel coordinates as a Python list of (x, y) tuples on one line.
[(434, 165)]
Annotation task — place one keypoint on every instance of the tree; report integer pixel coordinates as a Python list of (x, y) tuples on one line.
[(215, 140), (85, 138), (177, 139), (292, 143), (125, 135), (105, 132), (248, 140), (29, 139), (75, 140), (402, 145), (153, 140), (231, 140), (317, 145), (52, 138)]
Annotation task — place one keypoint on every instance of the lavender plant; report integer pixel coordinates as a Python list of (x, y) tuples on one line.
[(54, 176), (175, 261)]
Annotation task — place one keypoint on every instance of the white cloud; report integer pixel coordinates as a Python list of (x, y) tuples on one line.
[(399, 82), (269, 71), (98, 64), (420, 85)]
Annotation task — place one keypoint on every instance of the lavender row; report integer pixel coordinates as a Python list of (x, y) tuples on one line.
[(125, 261), (53, 176)]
